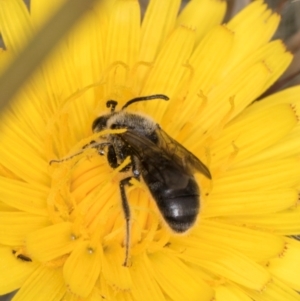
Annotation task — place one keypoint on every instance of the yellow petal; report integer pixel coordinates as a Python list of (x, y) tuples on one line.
[(168, 69), (230, 292), (5, 207), (123, 37), (116, 274), (122, 41), (145, 287), (289, 145), (51, 242), (34, 171), (15, 24), (14, 226), (202, 15), (82, 268), (96, 295), (43, 283), (225, 262), (207, 65), (31, 138), (286, 267), (14, 271), (278, 63), (93, 61), (40, 11), (272, 174), (289, 96), (22, 196), (242, 239), (60, 79), (249, 203), (25, 127), (255, 17), (285, 149), (282, 223), (232, 95), (170, 271), (157, 26), (208, 62), (251, 133), (273, 54), (275, 290)]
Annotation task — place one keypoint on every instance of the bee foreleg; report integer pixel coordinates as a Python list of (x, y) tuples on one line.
[(100, 147), (126, 210), (112, 159), (93, 144)]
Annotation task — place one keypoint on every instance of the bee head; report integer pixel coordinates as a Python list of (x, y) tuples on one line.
[(100, 123)]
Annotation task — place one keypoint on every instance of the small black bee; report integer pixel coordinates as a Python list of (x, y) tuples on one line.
[(166, 166)]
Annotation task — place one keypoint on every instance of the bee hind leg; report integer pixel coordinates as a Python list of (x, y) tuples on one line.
[(126, 210)]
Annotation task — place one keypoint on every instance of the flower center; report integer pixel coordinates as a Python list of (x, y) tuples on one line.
[(86, 191)]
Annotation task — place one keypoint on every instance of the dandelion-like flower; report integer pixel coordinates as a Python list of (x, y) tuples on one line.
[(62, 226)]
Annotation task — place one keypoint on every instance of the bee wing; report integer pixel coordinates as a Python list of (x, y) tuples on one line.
[(156, 161), (179, 154), (144, 148), (167, 149)]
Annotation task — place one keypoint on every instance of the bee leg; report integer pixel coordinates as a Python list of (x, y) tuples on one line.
[(135, 167), (112, 159), (126, 210), (99, 146), (92, 144)]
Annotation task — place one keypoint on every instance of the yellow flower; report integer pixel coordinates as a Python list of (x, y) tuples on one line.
[(62, 227)]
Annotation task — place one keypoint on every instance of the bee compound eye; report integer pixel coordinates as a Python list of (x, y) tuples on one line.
[(99, 124)]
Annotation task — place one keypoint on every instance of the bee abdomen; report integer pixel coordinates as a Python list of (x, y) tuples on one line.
[(179, 206), (181, 212)]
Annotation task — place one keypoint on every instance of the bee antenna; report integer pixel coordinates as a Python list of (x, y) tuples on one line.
[(112, 105), (143, 98)]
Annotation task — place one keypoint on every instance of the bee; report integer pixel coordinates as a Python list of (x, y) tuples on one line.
[(166, 167)]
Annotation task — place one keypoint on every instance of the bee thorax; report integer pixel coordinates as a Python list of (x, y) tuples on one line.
[(135, 122)]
